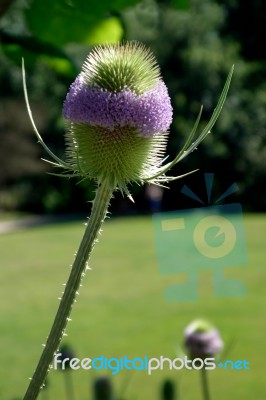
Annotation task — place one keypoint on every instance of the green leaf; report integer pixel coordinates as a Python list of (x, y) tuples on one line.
[(15, 53), (181, 4), (17, 46), (108, 28), (65, 21), (60, 65)]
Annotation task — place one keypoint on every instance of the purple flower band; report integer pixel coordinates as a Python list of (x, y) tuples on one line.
[(150, 112)]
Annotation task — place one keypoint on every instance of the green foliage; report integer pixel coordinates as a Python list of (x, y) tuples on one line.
[(47, 28), (108, 29), (181, 4), (246, 23), (63, 21), (194, 59), (195, 45)]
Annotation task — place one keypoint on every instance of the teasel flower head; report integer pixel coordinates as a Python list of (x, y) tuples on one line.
[(117, 115), (118, 112), (202, 339)]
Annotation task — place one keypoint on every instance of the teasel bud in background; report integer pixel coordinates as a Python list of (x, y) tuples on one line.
[(202, 339)]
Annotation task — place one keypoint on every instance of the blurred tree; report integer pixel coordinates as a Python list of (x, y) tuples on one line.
[(246, 23), (195, 46), (40, 32), (195, 60)]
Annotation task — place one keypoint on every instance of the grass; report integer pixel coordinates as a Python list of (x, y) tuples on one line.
[(121, 310), (11, 216)]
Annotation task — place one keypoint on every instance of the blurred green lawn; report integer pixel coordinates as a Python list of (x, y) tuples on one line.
[(121, 310)]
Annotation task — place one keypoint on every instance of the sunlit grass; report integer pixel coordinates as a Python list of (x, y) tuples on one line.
[(121, 310)]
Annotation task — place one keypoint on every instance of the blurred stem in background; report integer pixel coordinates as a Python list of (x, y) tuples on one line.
[(102, 389), (69, 387), (66, 355), (168, 391), (204, 382)]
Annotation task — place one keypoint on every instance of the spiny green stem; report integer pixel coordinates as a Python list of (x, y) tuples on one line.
[(98, 213), (204, 382)]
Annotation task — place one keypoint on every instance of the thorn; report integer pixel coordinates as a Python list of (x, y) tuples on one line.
[(130, 198)]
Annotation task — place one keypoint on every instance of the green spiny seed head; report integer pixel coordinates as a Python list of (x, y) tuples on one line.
[(118, 112), (119, 156), (117, 67)]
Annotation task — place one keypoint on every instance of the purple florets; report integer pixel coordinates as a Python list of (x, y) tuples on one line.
[(150, 112), (203, 343)]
